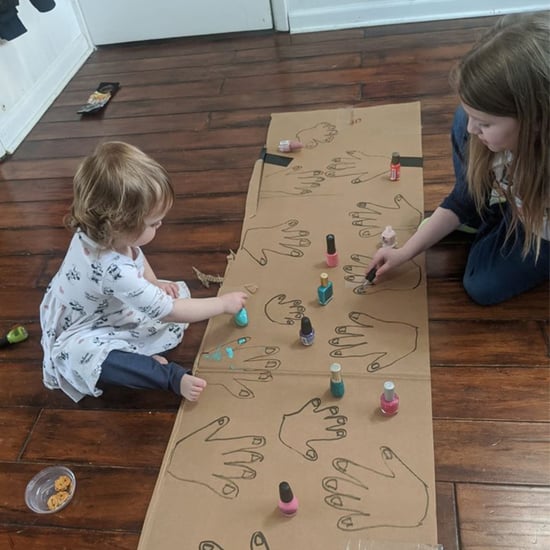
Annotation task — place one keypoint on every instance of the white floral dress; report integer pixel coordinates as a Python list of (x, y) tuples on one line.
[(98, 302)]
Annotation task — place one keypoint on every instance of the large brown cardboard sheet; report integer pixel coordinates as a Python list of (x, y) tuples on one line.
[(363, 480)]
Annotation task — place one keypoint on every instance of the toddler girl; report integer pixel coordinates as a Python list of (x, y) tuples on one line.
[(105, 317)]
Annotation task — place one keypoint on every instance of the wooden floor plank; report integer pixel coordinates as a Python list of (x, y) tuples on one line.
[(492, 452), (15, 425), (129, 439), (494, 517), (37, 538), (447, 524), (491, 393)]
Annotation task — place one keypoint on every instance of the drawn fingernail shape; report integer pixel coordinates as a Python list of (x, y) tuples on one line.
[(311, 454), (387, 453), (330, 484), (340, 464), (229, 490), (346, 523), (335, 501)]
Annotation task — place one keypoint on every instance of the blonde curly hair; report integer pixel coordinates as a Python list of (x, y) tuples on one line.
[(115, 189)]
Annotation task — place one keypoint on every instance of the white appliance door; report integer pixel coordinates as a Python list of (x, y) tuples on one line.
[(113, 21)]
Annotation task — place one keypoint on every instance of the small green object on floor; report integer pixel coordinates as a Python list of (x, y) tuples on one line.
[(14, 336)]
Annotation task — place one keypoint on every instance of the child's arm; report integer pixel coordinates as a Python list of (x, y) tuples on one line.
[(440, 224), (191, 310), (170, 288)]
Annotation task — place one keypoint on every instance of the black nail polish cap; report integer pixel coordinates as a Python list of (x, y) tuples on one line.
[(305, 326), (331, 244), (371, 275), (285, 492)]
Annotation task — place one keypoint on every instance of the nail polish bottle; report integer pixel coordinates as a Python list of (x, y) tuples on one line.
[(307, 334), (331, 255), (325, 291), (389, 400), (289, 145), (388, 237), (241, 318), (395, 167), (288, 503), (336, 382)]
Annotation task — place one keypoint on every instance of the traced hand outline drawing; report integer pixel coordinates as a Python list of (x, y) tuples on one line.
[(305, 181), (355, 165), (383, 342), (406, 277), (282, 311), (257, 542), (284, 239), (322, 132), (356, 488), (223, 461), (373, 218), (311, 424), (251, 363)]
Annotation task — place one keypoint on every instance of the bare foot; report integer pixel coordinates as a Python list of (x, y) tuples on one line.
[(191, 387), (161, 359)]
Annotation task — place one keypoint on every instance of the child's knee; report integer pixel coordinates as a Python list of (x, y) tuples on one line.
[(482, 290)]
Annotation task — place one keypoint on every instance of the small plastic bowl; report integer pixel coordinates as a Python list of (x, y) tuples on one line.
[(42, 486)]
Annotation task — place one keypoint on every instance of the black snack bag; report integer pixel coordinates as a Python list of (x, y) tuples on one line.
[(105, 91)]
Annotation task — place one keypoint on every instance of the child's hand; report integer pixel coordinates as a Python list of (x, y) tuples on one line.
[(233, 302), (385, 260), (172, 289)]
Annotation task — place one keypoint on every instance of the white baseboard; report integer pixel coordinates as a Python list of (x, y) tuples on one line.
[(28, 110), (385, 12)]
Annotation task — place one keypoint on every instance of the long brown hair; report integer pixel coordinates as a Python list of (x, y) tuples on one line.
[(507, 74), (115, 189)]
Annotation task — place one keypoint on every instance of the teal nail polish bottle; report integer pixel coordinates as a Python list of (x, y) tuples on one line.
[(325, 291), (336, 382), (241, 318)]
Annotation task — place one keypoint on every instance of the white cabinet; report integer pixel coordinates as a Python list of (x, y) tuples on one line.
[(113, 21)]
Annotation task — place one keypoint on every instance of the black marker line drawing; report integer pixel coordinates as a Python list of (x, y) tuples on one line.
[(355, 165), (223, 461), (296, 433), (322, 132), (370, 337), (373, 218), (257, 542), (286, 240), (406, 277), (301, 181), (356, 488), (282, 311), (250, 363)]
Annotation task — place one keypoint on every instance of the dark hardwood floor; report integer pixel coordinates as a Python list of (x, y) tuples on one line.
[(201, 106)]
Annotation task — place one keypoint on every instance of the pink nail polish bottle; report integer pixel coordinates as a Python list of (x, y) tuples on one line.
[(288, 503), (331, 255), (389, 400), (289, 145)]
